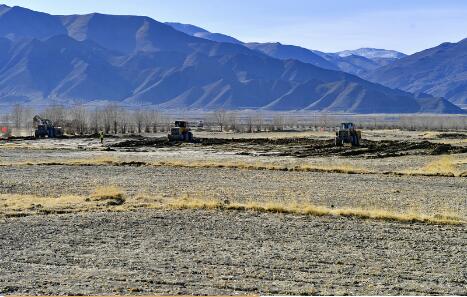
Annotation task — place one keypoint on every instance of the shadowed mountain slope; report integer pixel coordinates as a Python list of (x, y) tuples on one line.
[(439, 71)]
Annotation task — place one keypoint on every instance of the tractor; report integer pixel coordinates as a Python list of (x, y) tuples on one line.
[(347, 133), (45, 127), (181, 132)]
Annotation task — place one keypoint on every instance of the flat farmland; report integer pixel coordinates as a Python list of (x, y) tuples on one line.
[(272, 213)]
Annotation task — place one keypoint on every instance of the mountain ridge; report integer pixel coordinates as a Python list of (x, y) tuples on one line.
[(150, 62), (440, 71), (358, 62)]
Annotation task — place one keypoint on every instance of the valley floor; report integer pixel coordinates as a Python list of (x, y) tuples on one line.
[(57, 237)]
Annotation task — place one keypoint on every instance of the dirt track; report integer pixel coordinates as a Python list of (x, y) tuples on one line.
[(182, 252)]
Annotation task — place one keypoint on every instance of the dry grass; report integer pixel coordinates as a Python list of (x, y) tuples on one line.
[(20, 205), (313, 210), (109, 161), (107, 192), (338, 168), (341, 168), (15, 204), (113, 195), (104, 198), (444, 166)]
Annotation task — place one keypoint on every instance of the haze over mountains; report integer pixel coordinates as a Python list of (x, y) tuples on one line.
[(132, 59)]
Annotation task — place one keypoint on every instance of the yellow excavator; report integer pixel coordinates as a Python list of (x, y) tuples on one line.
[(348, 133), (181, 132)]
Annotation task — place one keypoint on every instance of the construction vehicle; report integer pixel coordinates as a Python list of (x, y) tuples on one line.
[(45, 127), (181, 132), (348, 133)]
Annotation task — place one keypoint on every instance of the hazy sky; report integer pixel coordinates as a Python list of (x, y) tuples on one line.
[(327, 25)]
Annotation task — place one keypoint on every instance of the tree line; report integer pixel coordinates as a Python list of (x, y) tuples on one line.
[(116, 119)]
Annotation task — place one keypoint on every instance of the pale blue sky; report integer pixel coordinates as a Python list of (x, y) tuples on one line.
[(327, 25)]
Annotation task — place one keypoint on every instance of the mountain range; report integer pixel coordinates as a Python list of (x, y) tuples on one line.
[(440, 71), (359, 62), (134, 60)]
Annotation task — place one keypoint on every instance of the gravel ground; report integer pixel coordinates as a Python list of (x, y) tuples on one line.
[(203, 252)]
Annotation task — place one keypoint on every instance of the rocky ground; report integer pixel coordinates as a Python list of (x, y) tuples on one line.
[(236, 252)]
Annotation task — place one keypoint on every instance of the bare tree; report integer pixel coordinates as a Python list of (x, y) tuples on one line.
[(17, 114), (138, 118), (96, 113), (28, 114), (258, 121), (114, 113), (156, 119), (56, 113), (78, 116), (232, 121), (278, 123), (220, 116), (249, 123)]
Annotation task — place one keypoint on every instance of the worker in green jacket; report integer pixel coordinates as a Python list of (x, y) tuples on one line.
[(101, 137)]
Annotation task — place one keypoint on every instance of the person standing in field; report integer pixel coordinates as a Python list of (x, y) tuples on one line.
[(101, 137)]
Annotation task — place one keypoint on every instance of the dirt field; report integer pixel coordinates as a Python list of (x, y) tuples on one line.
[(386, 218)]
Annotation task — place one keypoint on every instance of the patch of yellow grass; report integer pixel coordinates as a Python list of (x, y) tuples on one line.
[(113, 195), (107, 193), (313, 210), (338, 168), (430, 134), (16, 205), (341, 168), (195, 203), (111, 161), (444, 166)]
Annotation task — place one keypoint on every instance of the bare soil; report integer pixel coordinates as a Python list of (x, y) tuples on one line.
[(305, 147), (204, 252)]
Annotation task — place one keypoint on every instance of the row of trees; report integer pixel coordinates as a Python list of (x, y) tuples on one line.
[(115, 119)]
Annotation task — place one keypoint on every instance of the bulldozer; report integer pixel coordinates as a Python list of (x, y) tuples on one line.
[(45, 127), (181, 132), (348, 133)]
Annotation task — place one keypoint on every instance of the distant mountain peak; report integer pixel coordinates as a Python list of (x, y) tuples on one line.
[(4, 8), (372, 53)]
